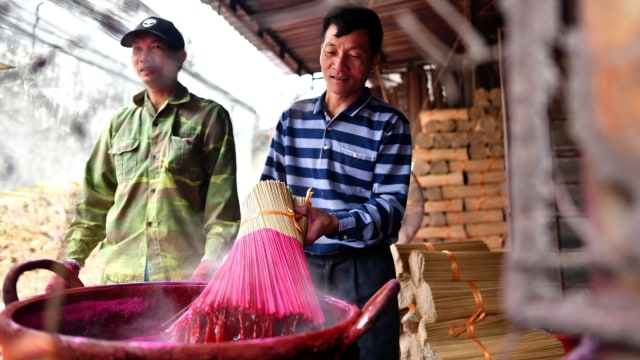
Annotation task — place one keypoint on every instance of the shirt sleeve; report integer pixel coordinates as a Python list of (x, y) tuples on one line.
[(94, 200), (222, 208), (274, 168)]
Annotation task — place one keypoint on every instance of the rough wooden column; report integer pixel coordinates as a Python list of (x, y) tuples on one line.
[(604, 75)]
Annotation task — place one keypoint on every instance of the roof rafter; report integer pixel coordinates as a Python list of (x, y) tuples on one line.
[(242, 18)]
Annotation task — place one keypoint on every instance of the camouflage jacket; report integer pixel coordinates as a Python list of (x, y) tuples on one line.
[(159, 187)]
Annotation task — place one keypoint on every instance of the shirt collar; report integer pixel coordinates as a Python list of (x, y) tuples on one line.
[(352, 109), (180, 95)]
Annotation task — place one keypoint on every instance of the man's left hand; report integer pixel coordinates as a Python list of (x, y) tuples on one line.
[(320, 223)]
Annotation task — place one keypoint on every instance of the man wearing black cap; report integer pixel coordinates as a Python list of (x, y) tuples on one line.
[(159, 193)]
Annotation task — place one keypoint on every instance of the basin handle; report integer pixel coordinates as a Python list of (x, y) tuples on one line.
[(372, 309), (10, 289)]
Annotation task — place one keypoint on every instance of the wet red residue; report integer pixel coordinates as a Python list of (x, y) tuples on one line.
[(110, 319), (238, 324), (102, 318)]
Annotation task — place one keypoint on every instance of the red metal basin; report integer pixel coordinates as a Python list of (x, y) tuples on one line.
[(125, 321)]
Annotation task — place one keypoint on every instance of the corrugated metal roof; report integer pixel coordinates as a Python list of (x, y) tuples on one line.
[(416, 31)]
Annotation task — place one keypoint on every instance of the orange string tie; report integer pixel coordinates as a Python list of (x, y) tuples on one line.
[(292, 214), (307, 198), (295, 217), (492, 163), (485, 352), (289, 212), (454, 265), (430, 246), (456, 329), (468, 326)]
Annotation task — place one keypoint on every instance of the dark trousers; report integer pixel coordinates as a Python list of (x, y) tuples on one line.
[(354, 276)]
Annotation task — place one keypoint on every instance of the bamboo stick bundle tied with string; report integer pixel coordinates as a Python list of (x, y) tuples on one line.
[(455, 265), (529, 344), (490, 325), (401, 252), (449, 300), (264, 287)]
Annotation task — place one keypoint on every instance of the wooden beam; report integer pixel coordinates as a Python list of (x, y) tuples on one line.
[(262, 37), (4, 66)]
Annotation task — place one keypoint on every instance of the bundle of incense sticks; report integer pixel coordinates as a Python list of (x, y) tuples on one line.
[(264, 287)]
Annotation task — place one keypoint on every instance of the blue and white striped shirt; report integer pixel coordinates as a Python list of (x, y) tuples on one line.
[(358, 165)]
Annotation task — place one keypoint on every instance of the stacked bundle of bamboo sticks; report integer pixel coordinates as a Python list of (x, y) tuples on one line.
[(530, 344), (450, 299), (459, 162), (401, 252)]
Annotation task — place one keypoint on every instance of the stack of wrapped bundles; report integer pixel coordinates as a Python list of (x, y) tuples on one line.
[(450, 302), (401, 253), (459, 161)]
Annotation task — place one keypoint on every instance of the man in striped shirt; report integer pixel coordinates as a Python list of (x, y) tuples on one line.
[(159, 193), (354, 151)]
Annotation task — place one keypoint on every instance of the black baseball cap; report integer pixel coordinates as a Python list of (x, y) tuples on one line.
[(159, 27)]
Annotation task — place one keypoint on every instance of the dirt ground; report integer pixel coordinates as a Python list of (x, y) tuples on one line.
[(32, 225)]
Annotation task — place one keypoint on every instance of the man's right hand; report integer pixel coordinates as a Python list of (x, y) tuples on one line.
[(57, 283)]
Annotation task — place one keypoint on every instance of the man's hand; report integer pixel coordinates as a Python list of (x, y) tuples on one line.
[(320, 223), (57, 283), (204, 271)]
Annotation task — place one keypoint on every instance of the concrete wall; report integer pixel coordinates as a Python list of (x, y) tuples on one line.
[(69, 76)]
